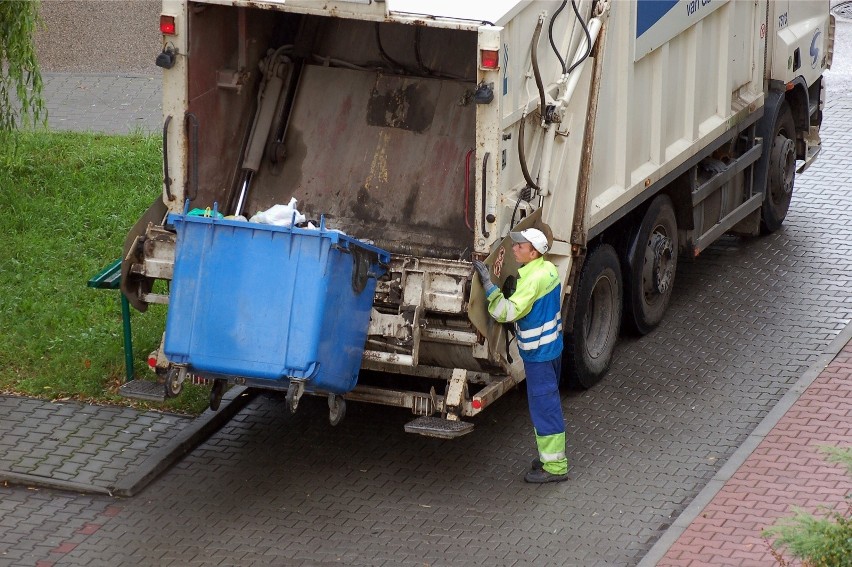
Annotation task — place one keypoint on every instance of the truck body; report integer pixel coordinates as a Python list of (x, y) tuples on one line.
[(631, 132)]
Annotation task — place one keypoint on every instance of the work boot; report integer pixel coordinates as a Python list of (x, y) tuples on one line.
[(539, 476), (535, 464)]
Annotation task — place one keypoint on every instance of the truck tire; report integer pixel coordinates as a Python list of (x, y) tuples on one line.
[(781, 174), (652, 265), (597, 318)]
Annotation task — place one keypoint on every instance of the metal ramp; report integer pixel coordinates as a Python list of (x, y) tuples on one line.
[(143, 390)]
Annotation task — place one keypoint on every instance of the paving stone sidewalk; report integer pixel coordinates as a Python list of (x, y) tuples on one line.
[(785, 470), (78, 443), (98, 449), (83, 447), (108, 103)]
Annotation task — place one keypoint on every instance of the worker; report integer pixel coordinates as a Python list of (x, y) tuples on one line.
[(535, 308)]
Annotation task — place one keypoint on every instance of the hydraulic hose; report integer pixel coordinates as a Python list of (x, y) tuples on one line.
[(523, 158), (417, 54), (588, 38), (193, 149), (538, 82), (550, 36), (542, 106), (390, 60)]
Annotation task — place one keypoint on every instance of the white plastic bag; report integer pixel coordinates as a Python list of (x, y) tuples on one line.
[(280, 215)]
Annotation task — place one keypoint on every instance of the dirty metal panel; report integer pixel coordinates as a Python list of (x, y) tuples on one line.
[(224, 42), (381, 156)]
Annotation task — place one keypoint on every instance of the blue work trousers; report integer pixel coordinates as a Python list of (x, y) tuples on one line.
[(543, 396)]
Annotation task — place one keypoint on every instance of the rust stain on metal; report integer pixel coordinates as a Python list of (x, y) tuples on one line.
[(578, 235), (379, 166)]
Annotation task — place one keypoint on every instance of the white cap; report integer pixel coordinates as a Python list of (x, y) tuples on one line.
[(534, 236)]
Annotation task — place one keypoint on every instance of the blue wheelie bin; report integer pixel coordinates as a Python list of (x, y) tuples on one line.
[(262, 305)]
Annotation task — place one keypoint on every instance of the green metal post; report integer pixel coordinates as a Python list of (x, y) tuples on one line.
[(128, 342)]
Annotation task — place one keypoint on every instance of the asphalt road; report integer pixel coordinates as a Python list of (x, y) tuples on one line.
[(99, 36)]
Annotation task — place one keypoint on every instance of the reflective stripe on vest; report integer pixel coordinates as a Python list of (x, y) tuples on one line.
[(543, 335), (541, 329), (505, 310)]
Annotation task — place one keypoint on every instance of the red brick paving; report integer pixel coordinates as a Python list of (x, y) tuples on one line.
[(111, 511), (66, 547), (786, 469), (89, 529)]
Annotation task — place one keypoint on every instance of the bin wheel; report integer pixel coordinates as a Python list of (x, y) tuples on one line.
[(216, 393), (173, 384), (294, 394), (336, 409), (291, 399)]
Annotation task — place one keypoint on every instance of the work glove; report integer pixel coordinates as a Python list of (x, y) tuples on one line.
[(484, 275)]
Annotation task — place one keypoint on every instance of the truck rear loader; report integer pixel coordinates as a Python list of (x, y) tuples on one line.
[(416, 134)]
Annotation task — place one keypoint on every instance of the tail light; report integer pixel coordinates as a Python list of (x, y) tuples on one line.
[(489, 59), (167, 25)]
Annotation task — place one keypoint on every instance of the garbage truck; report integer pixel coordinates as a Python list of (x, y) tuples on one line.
[(413, 136)]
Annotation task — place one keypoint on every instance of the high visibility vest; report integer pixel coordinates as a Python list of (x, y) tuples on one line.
[(535, 308)]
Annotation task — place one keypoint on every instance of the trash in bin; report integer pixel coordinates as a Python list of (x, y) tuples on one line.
[(280, 215)]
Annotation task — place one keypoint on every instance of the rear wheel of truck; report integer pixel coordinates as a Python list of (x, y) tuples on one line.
[(652, 264), (782, 172), (597, 317)]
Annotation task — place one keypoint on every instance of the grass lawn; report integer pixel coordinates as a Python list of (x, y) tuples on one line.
[(67, 200)]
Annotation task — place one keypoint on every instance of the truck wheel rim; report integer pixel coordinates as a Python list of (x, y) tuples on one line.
[(657, 273), (662, 267), (784, 159)]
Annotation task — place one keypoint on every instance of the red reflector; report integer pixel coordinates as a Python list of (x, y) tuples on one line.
[(476, 403), (167, 25), (489, 58), (152, 362)]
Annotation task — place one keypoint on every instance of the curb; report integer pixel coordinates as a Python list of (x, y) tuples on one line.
[(200, 429), (29, 480), (193, 435), (732, 465)]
